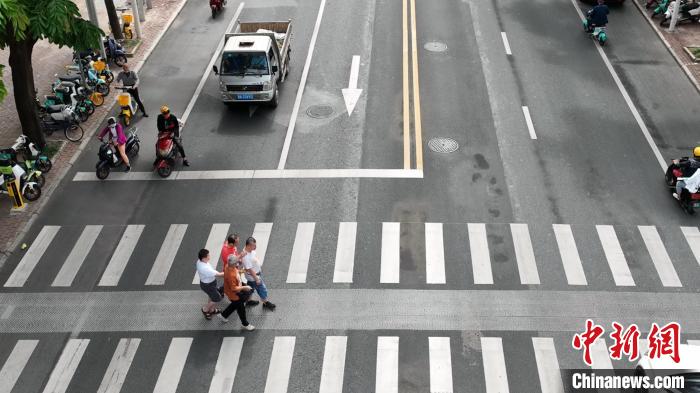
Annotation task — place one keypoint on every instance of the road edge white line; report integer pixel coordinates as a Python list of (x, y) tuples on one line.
[(628, 99), (300, 91), (200, 86), (530, 125), (506, 44)]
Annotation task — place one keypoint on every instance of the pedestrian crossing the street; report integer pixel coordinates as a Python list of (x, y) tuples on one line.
[(469, 255), (280, 361)]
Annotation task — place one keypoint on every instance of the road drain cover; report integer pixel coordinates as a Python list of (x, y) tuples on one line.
[(443, 145), (320, 111), (435, 46)]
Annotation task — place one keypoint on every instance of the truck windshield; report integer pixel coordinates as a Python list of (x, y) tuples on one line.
[(241, 63)]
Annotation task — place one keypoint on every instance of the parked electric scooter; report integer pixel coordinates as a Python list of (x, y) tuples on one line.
[(9, 171), (687, 13), (63, 121), (109, 157), (29, 152)]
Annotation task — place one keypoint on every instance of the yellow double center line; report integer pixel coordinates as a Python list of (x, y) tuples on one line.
[(406, 88)]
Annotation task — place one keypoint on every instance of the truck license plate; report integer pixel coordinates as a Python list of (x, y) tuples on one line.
[(244, 96)]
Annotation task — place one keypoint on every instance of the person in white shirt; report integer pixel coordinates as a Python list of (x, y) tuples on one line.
[(207, 282), (690, 183), (253, 274)]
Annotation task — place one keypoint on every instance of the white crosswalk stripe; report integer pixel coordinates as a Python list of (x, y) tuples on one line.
[(122, 254), (615, 256), (77, 256), (215, 241), (261, 233), (494, 365), (440, 357), (387, 380), (600, 357), (174, 363), (391, 248), (434, 254), (119, 366), (65, 368), (15, 363), (480, 256), (280, 365), (27, 264), (166, 255), (524, 255), (547, 365), (226, 365), (692, 236), (437, 254), (301, 252), (573, 268), (659, 256), (333, 368), (345, 252)]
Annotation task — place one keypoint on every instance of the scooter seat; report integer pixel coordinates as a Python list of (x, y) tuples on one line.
[(60, 116), (691, 6), (55, 108), (69, 78)]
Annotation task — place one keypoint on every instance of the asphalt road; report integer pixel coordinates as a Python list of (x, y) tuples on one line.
[(479, 220)]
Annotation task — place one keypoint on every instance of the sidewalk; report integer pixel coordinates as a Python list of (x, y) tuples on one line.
[(686, 34), (48, 60)]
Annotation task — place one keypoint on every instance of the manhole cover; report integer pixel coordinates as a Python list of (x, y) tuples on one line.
[(443, 145), (435, 47), (320, 111)]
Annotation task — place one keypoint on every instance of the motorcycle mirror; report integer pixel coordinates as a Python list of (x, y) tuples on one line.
[(216, 70)]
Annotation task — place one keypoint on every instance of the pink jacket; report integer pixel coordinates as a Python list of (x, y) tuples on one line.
[(121, 138)]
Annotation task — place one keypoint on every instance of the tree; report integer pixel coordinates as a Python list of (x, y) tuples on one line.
[(3, 90), (113, 20), (22, 24)]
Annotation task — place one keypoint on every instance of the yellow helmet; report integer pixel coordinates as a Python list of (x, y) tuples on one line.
[(696, 152), (164, 109)]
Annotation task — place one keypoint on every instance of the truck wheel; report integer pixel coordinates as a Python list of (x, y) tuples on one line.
[(275, 99)]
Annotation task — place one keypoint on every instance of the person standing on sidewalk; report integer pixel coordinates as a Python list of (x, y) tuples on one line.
[(253, 274), (236, 293), (130, 80), (207, 282)]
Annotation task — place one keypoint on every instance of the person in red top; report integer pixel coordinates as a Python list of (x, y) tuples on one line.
[(231, 248)]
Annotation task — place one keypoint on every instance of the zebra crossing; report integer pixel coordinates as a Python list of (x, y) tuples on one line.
[(465, 255), (170, 368)]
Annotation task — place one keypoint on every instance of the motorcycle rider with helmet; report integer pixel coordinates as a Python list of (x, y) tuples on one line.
[(598, 16), (691, 164), (117, 138), (167, 122)]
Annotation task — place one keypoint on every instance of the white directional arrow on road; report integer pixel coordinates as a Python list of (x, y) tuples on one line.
[(352, 93)]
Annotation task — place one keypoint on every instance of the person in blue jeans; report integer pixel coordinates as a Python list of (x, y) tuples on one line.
[(253, 274)]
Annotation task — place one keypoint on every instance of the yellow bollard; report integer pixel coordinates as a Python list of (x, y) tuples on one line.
[(15, 193)]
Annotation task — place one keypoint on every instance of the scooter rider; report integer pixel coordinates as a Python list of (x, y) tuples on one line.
[(598, 16), (691, 164), (168, 122), (117, 138)]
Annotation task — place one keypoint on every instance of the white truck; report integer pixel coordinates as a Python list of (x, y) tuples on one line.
[(254, 61)]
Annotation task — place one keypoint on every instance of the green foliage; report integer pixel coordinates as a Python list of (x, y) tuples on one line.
[(3, 90), (14, 14), (57, 21)]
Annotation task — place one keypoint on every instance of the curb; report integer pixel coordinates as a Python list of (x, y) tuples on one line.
[(668, 46), (83, 144)]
